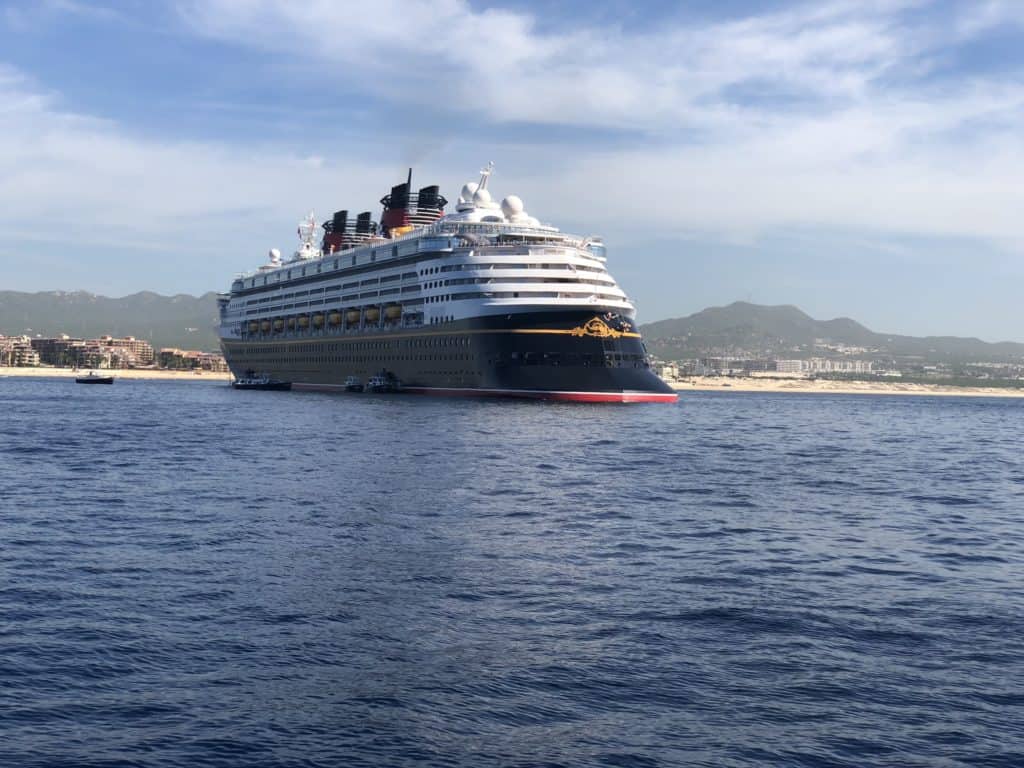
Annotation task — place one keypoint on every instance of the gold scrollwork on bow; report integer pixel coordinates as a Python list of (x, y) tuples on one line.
[(596, 327)]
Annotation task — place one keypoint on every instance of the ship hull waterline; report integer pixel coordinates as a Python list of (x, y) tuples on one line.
[(562, 356)]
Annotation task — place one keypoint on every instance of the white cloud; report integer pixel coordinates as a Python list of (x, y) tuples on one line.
[(73, 179), (498, 63), (853, 151)]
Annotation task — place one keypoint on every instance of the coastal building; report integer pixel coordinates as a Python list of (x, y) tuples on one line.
[(669, 371), (104, 352), (823, 365), (191, 360), (51, 350), (139, 352), (790, 366), (17, 352), (693, 367), (731, 366)]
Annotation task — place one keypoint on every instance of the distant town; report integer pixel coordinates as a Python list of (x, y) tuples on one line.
[(828, 360), (105, 352)]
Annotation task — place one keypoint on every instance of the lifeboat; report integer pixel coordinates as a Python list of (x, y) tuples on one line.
[(253, 326), (318, 320), (373, 314), (352, 316), (265, 326), (303, 321), (278, 325), (393, 311), (334, 318), (290, 323)]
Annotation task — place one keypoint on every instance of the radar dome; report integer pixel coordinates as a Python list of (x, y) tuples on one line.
[(482, 197), (275, 255), (468, 190), (511, 206)]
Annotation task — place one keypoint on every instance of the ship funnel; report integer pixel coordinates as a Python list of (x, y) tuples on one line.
[(405, 209)]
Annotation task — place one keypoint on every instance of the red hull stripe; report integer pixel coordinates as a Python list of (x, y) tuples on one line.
[(531, 394)]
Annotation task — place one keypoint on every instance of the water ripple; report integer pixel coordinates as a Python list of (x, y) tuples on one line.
[(194, 577)]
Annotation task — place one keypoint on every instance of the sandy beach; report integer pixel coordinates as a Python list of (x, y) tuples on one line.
[(697, 383), (725, 384), (127, 373)]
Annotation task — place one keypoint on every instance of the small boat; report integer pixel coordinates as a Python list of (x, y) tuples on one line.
[(385, 381), (94, 378), (353, 384), (262, 381)]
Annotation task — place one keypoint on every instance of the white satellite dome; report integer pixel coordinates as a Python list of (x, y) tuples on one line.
[(511, 206), (468, 190), (275, 254), (482, 198)]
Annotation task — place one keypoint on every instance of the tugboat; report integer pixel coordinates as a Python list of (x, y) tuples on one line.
[(353, 384), (385, 381), (262, 381), (94, 378)]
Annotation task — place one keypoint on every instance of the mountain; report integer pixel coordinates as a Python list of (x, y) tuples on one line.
[(182, 321), (787, 331), (784, 331)]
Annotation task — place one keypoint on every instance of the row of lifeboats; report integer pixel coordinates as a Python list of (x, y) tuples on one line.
[(350, 317)]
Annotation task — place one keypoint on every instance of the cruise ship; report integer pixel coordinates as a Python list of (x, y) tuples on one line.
[(481, 301)]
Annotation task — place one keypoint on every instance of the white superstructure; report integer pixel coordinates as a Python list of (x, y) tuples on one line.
[(486, 258)]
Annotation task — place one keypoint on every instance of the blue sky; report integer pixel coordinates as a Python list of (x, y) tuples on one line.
[(859, 158)]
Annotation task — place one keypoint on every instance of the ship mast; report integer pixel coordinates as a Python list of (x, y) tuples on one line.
[(485, 174)]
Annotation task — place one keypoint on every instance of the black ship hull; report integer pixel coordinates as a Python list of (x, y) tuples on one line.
[(566, 355), (270, 386)]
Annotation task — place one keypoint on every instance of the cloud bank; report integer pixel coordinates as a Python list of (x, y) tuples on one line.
[(880, 117)]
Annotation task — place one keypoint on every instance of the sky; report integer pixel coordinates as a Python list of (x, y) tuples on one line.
[(858, 158)]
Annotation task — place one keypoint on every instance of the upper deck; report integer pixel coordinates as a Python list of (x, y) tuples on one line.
[(444, 235), (481, 260)]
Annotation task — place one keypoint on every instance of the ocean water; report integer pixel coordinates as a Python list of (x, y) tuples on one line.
[(195, 576)]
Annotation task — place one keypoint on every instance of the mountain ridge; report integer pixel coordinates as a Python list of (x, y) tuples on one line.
[(179, 320), (183, 320), (777, 330)]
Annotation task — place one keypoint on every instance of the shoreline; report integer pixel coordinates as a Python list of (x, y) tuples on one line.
[(693, 384), (117, 373), (824, 387)]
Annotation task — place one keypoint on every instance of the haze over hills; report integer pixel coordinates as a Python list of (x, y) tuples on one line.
[(782, 331), (788, 332), (188, 322)]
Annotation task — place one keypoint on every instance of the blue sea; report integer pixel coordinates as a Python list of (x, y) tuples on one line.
[(193, 576)]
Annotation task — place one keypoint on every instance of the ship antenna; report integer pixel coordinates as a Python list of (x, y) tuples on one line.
[(485, 174)]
